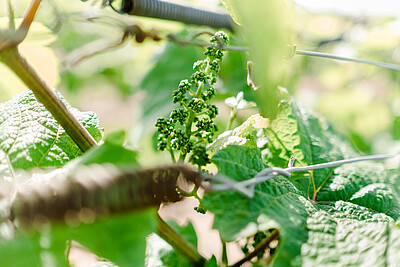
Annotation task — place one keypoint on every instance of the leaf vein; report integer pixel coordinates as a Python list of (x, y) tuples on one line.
[(51, 145)]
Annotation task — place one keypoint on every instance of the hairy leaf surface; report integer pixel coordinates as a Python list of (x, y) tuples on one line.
[(338, 216), (277, 203), (31, 138), (298, 133)]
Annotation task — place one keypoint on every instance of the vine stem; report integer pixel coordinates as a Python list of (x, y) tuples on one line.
[(27, 21), (179, 243), (232, 118), (171, 152), (258, 249), (224, 260), (192, 114), (17, 63), (23, 29)]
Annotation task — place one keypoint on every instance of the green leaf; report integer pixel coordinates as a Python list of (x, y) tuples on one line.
[(277, 203), (298, 133), (120, 239), (347, 220), (18, 248), (212, 262), (243, 134), (345, 241), (117, 138), (110, 153), (240, 163), (31, 138)]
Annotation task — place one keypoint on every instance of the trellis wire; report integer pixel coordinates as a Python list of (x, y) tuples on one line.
[(385, 65), (380, 64), (246, 187)]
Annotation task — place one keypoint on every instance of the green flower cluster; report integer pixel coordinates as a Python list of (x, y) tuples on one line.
[(191, 127)]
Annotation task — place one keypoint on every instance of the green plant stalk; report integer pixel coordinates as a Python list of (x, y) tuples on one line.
[(188, 127), (69, 245), (44, 94), (259, 248), (192, 193), (171, 152), (192, 115), (224, 260), (232, 118), (11, 23), (179, 243)]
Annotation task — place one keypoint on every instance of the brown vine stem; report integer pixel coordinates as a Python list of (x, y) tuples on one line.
[(47, 96), (179, 243), (11, 57), (27, 21), (258, 249), (18, 36)]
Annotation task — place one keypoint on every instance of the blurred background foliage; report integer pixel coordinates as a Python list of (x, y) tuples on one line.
[(130, 86)]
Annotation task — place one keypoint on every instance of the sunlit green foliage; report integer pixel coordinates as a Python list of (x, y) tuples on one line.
[(347, 215)]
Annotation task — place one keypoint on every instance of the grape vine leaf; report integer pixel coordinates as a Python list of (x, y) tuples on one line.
[(298, 133), (30, 137), (245, 134), (112, 151), (348, 218), (277, 203), (120, 239), (19, 248)]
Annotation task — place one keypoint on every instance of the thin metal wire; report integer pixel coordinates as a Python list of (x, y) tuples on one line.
[(358, 60), (385, 65), (246, 187)]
